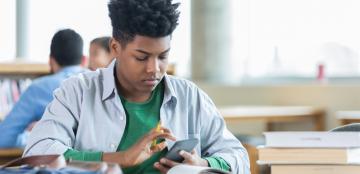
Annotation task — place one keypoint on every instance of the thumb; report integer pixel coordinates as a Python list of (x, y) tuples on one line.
[(186, 155)]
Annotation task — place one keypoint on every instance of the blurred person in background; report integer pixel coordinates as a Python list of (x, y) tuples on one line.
[(99, 53), (66, 56)]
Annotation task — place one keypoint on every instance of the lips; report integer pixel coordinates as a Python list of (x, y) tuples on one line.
[(151, 82)]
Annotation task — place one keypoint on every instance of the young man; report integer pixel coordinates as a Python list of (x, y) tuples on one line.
[(65, 58), (111, 114)]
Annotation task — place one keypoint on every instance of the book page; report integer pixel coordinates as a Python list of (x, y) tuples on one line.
[(188, 169)]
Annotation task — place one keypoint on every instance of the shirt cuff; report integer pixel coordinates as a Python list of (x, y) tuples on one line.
[(83, 155), (218, 163)]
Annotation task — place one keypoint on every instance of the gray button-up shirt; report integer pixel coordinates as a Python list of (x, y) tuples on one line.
[(87, 115)]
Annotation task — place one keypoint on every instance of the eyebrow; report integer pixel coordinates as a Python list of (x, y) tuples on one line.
[(145, 52)]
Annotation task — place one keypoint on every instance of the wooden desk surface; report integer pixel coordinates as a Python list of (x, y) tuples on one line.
[(21, 67), (10, 152), (266, 111), (347, 117), (273, 114), (348, 114), (7, 155)]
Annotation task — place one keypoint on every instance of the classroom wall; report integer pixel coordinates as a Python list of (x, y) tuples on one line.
[(330, 97)]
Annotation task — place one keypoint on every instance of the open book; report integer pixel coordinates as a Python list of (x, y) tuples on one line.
[(188, 169)]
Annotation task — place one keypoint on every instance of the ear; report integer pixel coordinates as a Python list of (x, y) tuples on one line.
[(53, 65), (84, 61), (115, 47)]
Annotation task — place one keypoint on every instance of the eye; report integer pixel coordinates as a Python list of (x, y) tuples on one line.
[(141, 58), (163, 57)]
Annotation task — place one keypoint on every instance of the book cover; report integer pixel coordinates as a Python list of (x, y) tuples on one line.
[(309, 155), (312, 139)]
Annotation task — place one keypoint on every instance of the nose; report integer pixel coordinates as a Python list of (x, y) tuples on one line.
[(153, 65)]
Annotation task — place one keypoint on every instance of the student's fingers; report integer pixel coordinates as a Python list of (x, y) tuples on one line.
[(164, 135), (165, 130), (154, 135), (161, 168), (158, 147), (186, 155), (162, 129), (168, 162), (155, 130), (193, 152)]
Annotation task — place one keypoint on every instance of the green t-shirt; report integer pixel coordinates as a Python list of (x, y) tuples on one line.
[(141, 118)]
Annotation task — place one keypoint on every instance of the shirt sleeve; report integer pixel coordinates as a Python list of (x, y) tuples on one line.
[(217, 140), (218, 163), (55, 132), (83, 155), (22, 114)]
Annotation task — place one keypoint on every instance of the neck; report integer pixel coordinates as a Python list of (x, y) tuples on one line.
[(55, 69), (132, 96), (129, 92)]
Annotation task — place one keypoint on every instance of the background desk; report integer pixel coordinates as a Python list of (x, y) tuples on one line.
[(275, 114), (7, 155), (347, 117)]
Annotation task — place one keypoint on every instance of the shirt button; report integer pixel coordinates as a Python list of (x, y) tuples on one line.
[(121, 118), (112, 146)]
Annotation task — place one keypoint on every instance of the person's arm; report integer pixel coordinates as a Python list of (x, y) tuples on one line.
[(24, 112), (219, 148), (217, 141), (55, 132), (72, 154), (135, 155)]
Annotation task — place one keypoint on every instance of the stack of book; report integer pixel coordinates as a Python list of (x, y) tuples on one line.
[(311, 152)]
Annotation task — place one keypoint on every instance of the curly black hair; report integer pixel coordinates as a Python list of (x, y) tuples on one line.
[(151, 18)]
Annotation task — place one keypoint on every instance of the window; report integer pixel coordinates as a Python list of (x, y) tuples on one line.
[(181, 44), (273, 38), (7, 29), (89, 18)]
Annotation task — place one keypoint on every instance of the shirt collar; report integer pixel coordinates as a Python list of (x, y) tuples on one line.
[(109, 84), (108, 80), (169, 94)]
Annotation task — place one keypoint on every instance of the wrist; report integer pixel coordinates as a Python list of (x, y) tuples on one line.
[(204, 162), (116, 157), (122, 159)]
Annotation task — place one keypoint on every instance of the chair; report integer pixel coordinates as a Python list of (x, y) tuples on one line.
[(250, 143), (354, 127)]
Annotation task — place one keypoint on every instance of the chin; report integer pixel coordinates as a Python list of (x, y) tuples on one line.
[(148, 88)]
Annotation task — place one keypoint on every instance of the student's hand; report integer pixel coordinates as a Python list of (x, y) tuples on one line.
[(189, 158), (31, 126), (142, 150)]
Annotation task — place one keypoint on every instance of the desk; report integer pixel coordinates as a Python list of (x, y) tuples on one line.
[(275, 114), (347, 117), (7, 155)]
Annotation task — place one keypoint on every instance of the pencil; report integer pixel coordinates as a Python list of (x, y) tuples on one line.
[(158, 126)]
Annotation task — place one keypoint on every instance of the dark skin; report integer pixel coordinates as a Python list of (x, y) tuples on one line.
[(141, 64)]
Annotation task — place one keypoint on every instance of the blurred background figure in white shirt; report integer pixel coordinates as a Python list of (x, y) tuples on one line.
[(99, 54)]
